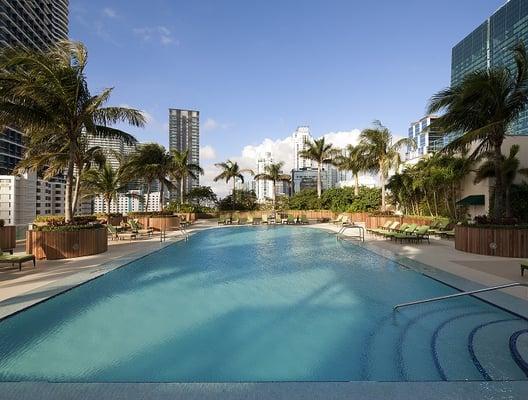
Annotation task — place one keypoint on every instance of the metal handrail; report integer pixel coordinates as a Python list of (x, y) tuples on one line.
[(353, 226), (489, 289)]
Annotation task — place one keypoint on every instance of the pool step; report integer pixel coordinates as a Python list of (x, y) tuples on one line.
[(489, 346)]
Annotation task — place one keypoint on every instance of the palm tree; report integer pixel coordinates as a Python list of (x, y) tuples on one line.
[(482, 107), (320, 152), (509, 170), (105, 182), (231, 171), (354, 161), (384, 155), (46, 95), (182, 169), (273, 172), (152, 162)]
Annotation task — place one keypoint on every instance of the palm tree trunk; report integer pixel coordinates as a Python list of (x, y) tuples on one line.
[(76, 193), (148, 196), (161, 196), (108, 201), (273, 195), (382, 183), (234, 193), (68, 216), (319, 180), (181, 190), (356, 184), (498, 203)]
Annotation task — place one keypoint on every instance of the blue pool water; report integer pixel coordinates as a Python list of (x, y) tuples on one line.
[(261, 304)]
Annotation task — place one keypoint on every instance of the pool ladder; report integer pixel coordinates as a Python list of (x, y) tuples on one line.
[(361, 231), (469, 293)]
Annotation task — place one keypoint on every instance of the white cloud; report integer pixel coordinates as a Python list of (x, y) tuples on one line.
[(280, 149), (159, 33), (207, 153), (109, 12)]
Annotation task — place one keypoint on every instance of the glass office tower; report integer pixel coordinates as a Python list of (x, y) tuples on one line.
[(490, 45)]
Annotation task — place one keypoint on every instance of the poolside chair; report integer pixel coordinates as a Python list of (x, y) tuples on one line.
[(257, 221), (236, 219), (410, 228), (264, 219), (290, 220), (338, 219), (392, 227), (120, 235), (304, 220), (250, 219), (524, 265), (138, 229), (442, 226), (284, 218), (384, 227), (395, 227), (17, 258), (222, 220), (419, 234), (242, 221)]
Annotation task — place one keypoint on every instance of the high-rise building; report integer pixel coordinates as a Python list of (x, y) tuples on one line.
[(112, 148), (425, 137), (490, 45), (33, 23), (264, 188), (301, 139), (184, 134)]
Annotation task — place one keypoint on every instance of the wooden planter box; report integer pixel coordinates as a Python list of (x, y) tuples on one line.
[(7, 237), (165, 223), (59, 245), (502, 242)]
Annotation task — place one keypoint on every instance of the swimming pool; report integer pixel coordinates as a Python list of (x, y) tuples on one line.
[(261, 304)]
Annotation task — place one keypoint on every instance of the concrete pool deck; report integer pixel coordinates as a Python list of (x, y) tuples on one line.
[(19, 290)]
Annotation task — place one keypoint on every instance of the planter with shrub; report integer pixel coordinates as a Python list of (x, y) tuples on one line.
[(52, 239), (7, 236)]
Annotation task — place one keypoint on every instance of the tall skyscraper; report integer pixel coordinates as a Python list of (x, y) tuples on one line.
[(264, 188), (490, 45), (33, 23), (301, 138), (111, 147), (184, 134)]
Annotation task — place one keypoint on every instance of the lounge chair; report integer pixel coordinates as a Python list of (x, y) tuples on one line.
[(338, 220), (394, 228), (222, 220), (257, 221), (250, 219), (17, 258), (304, 220), (242, 221), (405, 229), (442, 226), (284, 218), (419, 234), (384, 227), (138, 229), (524, 265), (120, 235), (264, 218), (290, 220), (236, 219)]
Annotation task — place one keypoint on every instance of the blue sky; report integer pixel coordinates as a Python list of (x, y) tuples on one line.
[(257, 69)]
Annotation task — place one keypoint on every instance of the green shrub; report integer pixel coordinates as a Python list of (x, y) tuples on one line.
[(136, 214), (337, 199), (66, 228), (58, 220)]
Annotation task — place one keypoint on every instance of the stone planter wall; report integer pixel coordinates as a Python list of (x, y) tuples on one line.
[(56, 245), (502, 242)]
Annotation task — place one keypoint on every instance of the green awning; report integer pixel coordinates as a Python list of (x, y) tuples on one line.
[(473, 200)]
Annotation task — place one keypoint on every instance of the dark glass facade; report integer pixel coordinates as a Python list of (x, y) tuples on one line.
[(490, 46), (11, 150)]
